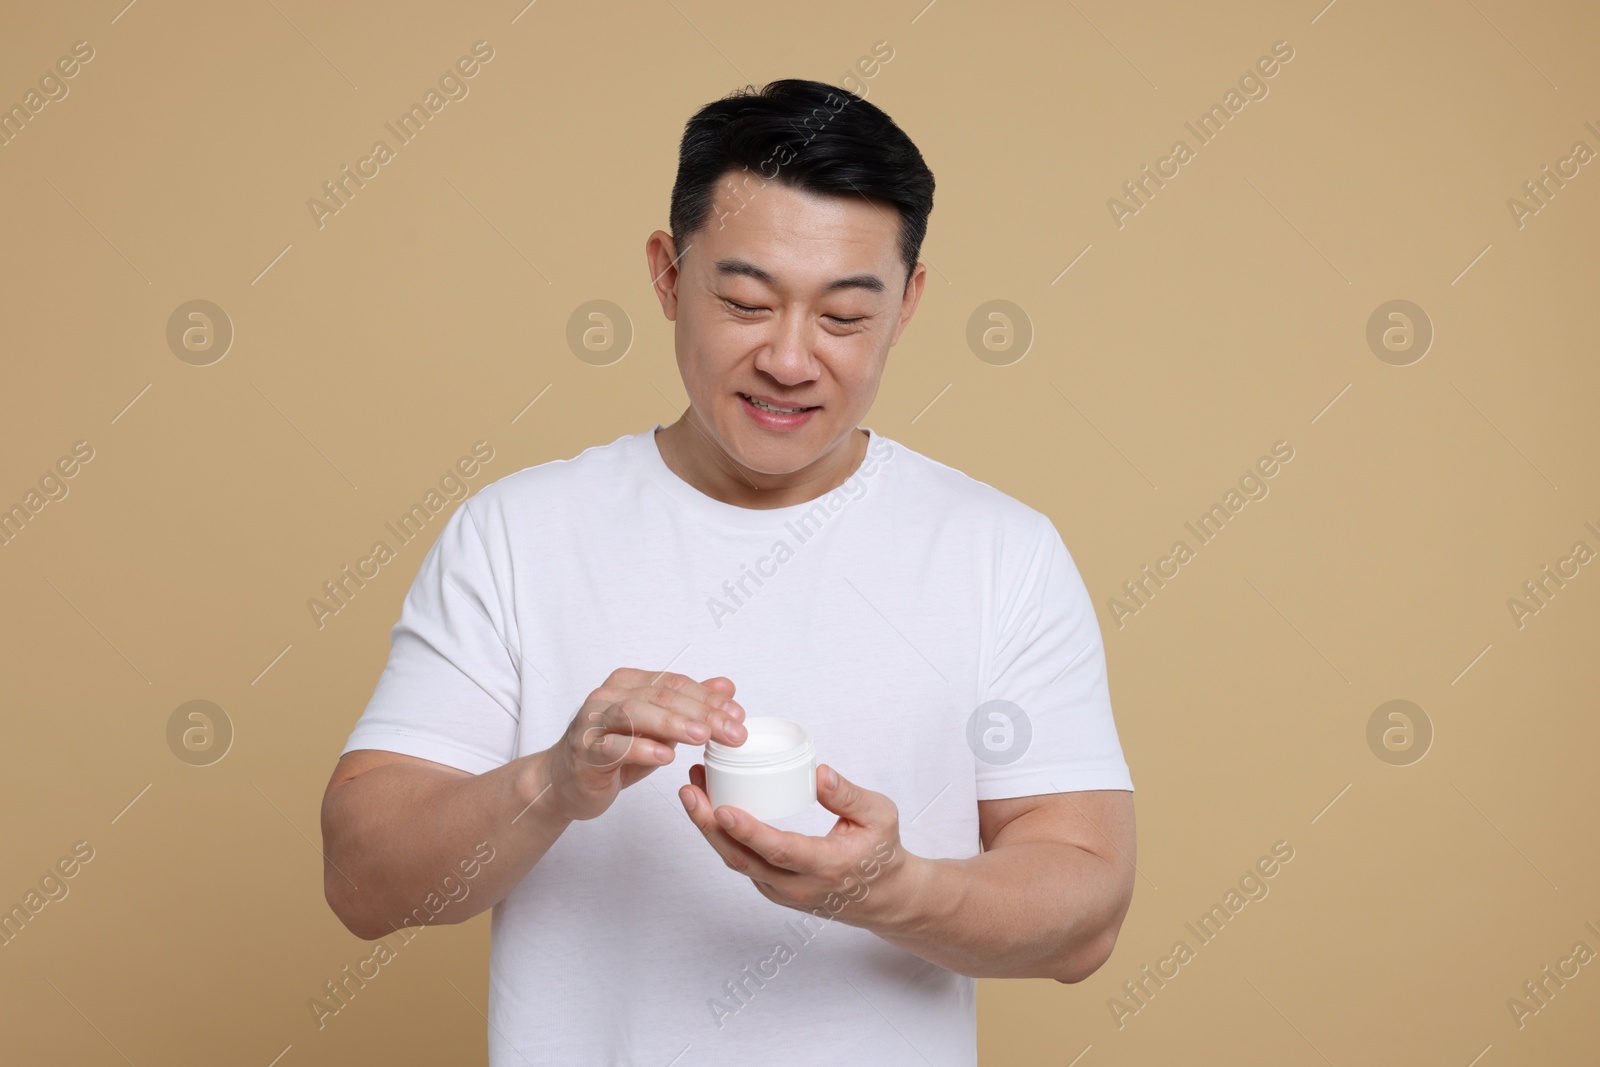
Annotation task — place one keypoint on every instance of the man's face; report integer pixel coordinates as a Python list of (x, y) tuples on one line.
[(788, 297)]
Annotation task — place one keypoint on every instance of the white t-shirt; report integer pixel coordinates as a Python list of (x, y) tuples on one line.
[(886, 616)]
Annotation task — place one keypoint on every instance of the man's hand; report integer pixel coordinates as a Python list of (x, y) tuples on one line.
[(860, 862), (627, 728)]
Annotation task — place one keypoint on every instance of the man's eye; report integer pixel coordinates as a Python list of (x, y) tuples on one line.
[(743, 310)]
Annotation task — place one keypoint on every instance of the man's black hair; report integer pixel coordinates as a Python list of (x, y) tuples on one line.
[(806, 135)]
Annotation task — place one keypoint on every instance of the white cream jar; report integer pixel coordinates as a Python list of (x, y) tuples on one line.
[(771, 775)]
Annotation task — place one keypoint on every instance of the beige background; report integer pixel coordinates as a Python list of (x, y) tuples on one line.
[(1228, 314)]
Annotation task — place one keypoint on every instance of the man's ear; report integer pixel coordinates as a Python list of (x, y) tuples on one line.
[(909, 301), (661, 256)]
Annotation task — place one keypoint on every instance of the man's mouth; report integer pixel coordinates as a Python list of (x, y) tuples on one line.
[(776, 409)]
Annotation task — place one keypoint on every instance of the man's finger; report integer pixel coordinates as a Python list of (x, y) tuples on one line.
[(782, 849), (735, 854), (843, 797)]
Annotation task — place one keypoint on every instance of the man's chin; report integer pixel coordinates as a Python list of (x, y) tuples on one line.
[(771, 454)]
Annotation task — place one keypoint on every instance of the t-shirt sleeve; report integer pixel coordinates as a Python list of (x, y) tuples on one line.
[(450, 691), (1045, 725)]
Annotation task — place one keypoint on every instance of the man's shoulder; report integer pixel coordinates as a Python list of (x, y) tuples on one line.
[(601, 467), (961, 496)]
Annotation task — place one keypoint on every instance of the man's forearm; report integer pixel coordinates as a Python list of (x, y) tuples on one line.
[(394, 833), (1027, 910)]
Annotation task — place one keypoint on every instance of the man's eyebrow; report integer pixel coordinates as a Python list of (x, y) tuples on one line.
[(869, 282)]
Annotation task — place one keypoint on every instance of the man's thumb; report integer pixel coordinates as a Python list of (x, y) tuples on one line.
[(838, 794)]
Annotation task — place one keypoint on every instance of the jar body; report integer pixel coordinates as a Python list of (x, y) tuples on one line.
[(772, 775)]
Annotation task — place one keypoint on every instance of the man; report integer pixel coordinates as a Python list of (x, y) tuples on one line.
[(578, 620)]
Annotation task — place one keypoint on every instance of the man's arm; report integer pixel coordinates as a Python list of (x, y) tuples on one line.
[(394, 827), (1045, 899)]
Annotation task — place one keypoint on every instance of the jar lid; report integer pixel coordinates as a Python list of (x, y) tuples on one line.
[(768, 740)]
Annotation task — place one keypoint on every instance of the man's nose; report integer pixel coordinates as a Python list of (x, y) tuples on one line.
[(787, 355)]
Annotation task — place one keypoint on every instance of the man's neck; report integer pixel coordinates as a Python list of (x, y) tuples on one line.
[(694, 456)]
